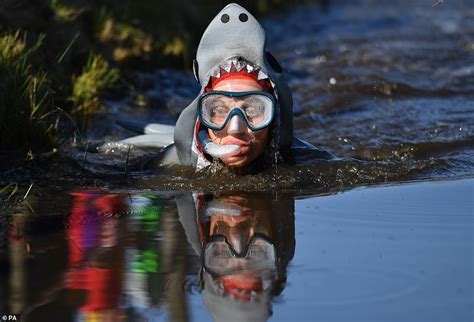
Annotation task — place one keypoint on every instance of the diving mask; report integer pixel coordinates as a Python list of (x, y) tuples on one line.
[(220, 258), (256, 108)]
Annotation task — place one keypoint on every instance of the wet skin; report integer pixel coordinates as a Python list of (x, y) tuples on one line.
[(252, 144)]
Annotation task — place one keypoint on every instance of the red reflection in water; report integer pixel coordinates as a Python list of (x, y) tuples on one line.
[(95, 260)]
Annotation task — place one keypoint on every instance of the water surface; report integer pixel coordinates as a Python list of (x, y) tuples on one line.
[(394, 253)]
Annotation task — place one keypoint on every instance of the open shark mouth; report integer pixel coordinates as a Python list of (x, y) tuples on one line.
[(237, 64)]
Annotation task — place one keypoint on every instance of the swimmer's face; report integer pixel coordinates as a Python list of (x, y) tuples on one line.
[(252, 143)]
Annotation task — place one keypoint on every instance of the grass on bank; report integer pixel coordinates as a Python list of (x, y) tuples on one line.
[(26, 97), (29, 119), (96, 76)]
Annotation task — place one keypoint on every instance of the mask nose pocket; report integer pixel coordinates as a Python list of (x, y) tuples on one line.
[(236, 125)]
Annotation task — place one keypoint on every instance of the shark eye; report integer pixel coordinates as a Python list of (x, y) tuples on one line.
[(225, 18), (243, 17)]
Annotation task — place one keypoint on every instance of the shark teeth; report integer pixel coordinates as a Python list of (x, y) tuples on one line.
[(239, 65), (216, 72), (227, 65), (250, 68), (262, 75)]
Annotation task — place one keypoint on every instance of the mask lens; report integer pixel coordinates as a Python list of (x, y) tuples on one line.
[(256, 109), (215, 108)]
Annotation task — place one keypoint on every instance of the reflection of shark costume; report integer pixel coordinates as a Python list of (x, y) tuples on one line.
[(233, 37), (193, 217)]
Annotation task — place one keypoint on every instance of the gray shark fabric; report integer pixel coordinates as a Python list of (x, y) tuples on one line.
[(224, 308), (233, 33)]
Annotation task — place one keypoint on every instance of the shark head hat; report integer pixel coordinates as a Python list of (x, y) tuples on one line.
[(234, 43)]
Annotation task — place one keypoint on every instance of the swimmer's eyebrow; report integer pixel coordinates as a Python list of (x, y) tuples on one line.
[(254, 101), (219, 99), (213, 100)]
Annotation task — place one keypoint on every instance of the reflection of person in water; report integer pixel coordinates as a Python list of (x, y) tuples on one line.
[(93, 244), (243, 115), (113, 269), (124, 260), (80, 280), (245, 242)]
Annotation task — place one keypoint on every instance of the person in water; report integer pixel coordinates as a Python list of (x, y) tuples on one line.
[(243, 114)]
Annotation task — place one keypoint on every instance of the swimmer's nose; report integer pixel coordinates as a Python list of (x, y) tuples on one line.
[(236, 125)]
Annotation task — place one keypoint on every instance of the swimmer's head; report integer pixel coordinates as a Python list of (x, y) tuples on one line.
[(232, 58), (238, 108)]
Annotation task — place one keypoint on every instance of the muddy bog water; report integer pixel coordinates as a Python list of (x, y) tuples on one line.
[(384, 233), (391, 253)]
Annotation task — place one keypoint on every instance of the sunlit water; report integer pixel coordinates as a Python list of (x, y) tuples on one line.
[(386, 86)]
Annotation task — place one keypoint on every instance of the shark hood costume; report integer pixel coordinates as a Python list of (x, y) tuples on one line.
[(234, 40)]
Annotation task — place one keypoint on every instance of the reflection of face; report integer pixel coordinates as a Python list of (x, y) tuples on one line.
[(238, 230), (252, 144)]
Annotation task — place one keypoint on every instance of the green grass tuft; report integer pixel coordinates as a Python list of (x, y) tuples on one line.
[(96, 76), (25, 97)]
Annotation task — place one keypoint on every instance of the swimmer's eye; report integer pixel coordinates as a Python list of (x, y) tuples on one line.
[(254, 111), (219, 110), (216, 106), (254, 107)]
